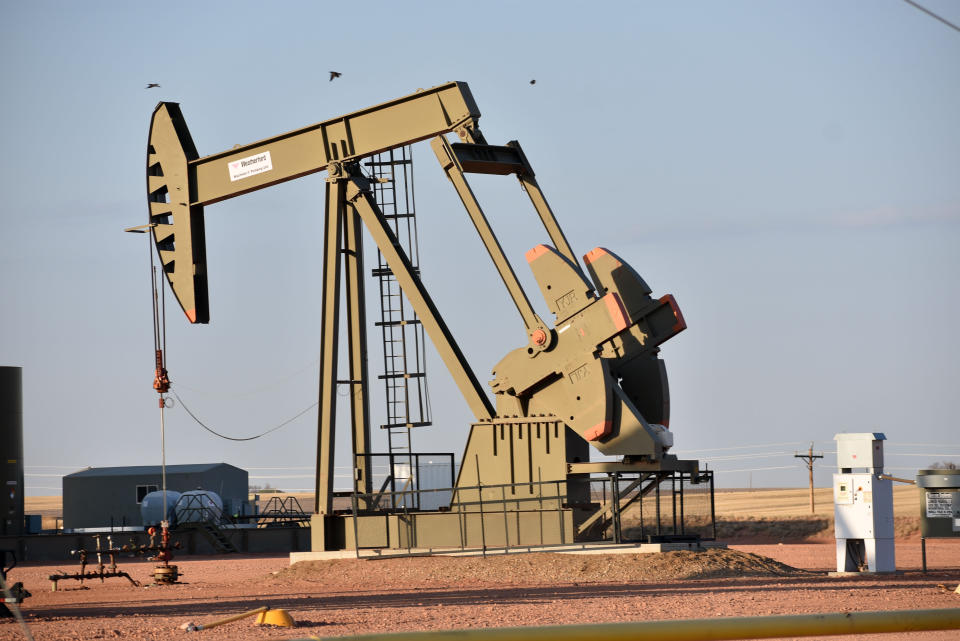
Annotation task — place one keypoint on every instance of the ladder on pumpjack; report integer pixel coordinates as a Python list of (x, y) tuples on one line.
[(404, 358)]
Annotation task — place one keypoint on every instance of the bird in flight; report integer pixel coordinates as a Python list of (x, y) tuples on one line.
[(151, 85), (533, 82), (334, 74)]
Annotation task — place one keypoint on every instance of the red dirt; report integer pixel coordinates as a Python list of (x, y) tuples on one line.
[(347, 597)]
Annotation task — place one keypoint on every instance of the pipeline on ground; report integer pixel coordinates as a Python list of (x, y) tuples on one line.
[(719, 629)]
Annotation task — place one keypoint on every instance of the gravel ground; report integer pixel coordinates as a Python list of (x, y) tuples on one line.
[(347, 597)]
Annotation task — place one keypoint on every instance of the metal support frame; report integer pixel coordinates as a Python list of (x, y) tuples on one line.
[(357, 344), (484, 517), (455, 172), (349, 203), (360, 198), (550, 223), (608, 515), (329, 343)]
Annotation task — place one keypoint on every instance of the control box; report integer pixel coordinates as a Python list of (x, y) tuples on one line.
[(939, 503), (862, 451), (863, 506)]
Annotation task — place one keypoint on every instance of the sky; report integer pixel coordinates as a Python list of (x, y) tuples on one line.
[(789, 171)]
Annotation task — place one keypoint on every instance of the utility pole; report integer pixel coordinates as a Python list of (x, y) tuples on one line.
[(809, 458)]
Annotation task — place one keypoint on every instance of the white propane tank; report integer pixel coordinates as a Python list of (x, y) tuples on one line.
[(151, 507), (197, 506)]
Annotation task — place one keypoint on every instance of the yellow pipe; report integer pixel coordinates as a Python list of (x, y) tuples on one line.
[(718, 629), (235, 617)]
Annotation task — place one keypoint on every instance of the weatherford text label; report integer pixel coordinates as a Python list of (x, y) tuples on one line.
[(246, 167)]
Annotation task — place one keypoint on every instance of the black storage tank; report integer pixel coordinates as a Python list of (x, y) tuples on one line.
[(11, 450)]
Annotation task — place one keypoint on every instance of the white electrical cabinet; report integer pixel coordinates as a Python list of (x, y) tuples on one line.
[(863, 506), (861, 450)]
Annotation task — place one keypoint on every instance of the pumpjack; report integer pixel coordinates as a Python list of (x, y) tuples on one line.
[(591, 378)]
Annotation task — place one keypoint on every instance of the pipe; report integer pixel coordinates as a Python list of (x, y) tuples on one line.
[(887, 477), (718, 629), (236, 617)]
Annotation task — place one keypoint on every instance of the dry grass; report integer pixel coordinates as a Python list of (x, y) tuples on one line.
[(775, 515), (781, 503), (50, 508)]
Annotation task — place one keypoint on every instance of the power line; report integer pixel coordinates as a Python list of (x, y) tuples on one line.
[(280, 476), (56, 467), (921, 444), (283, 467), (736, 447), (932, 14), (888, 452), (934, 455), (759, 469), (233, 438), (745, 456)]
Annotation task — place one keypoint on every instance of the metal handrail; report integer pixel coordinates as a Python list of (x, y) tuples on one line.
[(197, 511), (489, 503)]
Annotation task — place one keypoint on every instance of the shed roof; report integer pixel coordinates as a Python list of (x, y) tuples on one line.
[(142, 470)]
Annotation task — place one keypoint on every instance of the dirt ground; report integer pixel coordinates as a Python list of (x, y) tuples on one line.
[(349, 597)]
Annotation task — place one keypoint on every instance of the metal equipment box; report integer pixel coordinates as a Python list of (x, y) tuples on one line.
[(32, 523), (956, 513), (863, 506), (863, 450), (863, 523), (939, 503)]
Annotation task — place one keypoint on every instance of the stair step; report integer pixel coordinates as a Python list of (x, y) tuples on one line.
[(398, 323)]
